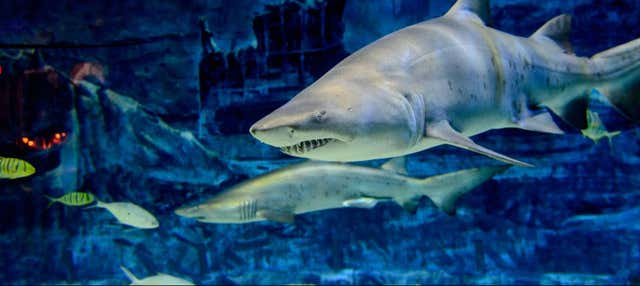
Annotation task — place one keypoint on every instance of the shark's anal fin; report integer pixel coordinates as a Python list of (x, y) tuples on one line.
[(442, 130), (278, 216), (543, 122), (477, 10), (411, 204), (366, 203), (573, 112), (557, 30)]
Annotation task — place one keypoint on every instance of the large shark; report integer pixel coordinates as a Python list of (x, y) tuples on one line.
[(312, 186), (445, 80)]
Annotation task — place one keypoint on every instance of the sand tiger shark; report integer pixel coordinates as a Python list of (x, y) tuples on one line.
[(444, 80), (315, 185)]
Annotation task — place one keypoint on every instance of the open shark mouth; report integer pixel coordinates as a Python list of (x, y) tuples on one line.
[(306, 146)]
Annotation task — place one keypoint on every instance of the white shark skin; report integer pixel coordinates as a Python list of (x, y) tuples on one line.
[(396, 95), (313, 186)]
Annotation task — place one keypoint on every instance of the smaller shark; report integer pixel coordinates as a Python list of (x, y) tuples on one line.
[(596, 129), (313, 186)]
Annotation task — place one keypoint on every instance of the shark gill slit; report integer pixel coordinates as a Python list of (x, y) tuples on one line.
[(248, 210), (241, 209)]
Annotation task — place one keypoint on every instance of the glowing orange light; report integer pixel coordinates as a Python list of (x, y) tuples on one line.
[(57, 136), (31, 143), (25, 140)]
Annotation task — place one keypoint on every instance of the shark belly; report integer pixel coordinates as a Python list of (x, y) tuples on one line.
[(343, 183)]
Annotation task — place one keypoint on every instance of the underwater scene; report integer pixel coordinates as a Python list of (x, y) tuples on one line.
[(337, 142)]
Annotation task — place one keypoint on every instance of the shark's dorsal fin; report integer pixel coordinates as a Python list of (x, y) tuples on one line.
[(477, 10), (557, 30), (397, 165), (442, 130)]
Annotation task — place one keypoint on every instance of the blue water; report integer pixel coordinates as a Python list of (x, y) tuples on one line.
[(168, 125)]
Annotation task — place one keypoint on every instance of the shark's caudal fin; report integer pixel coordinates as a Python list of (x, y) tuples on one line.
[(130, 275), (444, 190), (620, 69)]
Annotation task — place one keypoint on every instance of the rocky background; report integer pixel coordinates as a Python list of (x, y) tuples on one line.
[(185, 80)]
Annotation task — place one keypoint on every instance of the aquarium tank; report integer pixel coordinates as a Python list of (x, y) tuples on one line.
[(288, 142)]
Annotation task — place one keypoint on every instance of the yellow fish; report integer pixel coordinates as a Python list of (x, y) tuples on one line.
[(74, 199), (13, 168), (596, 129)]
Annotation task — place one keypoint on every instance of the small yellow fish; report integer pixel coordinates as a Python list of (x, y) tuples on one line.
[(13, 168), (596, 129), (74, 199)]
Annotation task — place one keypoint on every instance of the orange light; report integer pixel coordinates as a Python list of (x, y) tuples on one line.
[(57, 136), (25, 140), (31, 143)]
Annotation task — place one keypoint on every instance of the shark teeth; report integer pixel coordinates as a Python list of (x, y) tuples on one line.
[(306, 146)]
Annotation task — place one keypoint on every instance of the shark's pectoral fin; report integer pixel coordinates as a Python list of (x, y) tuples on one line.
[(543, 122), (279, 216), (365, 203), (442, 130)]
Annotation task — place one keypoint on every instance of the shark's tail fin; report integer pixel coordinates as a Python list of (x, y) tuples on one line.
[(620, 71), (444, 190)]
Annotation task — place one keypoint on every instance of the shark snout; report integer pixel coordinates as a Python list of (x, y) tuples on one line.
[(275, 136)]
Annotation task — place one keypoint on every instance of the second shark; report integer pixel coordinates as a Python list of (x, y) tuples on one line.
[(313, 186)]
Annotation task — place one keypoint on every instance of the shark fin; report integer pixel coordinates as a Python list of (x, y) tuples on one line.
[(411, 204), (442, 130), (478, 10), (279, 216), (397, 165), (542, 122), (366, 203), (573, 112), (130, 275), (557, 30), (444, 190)]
